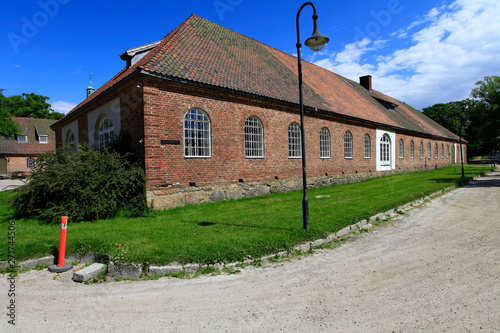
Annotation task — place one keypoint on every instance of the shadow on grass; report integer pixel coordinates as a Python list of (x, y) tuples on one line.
[(447, 180), (207, 224)]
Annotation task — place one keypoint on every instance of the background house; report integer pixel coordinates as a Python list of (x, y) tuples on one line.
[(18, 154), (214, 115)]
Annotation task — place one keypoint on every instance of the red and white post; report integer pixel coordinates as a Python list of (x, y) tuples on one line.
[(61, 267)]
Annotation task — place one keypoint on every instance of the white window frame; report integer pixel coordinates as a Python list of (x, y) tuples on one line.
[(401, 149), (294, 141), (30, 162), (254, 138), (367, 146), (325, 147), (442, 151), (385, 145), (197, 134), (22, 138), (429, 152), (106, 133), (412, 149), (43, 139), (348, 145), (71, 139), (436, 151), (421, 150), (385, 150)]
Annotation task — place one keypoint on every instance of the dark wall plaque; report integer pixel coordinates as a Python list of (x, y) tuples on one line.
[(170, 142)]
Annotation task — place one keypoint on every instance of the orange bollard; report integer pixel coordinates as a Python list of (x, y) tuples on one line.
[(62, 243), (61, 267)]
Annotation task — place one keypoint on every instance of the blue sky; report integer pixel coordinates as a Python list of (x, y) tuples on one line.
[(421, 52)]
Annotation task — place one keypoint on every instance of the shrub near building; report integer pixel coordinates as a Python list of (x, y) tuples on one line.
[(84, 185)]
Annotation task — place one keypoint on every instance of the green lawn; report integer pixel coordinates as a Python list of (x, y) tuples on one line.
[(231, 230)]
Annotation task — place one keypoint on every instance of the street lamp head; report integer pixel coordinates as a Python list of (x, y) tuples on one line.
[(467, 123), (317, 41)]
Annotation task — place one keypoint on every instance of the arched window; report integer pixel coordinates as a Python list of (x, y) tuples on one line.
[(106, 133), (401, 148), (348, 144), (70, 140), (197, 134), (385, 150), (436, 151), (368, 146), (254, 137), (442, 151), (412, 149), (421, 150), (30, 162), (324, 143), (447, 151), (294, 141), (429, 151)]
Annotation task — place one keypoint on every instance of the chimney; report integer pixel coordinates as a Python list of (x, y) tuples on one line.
[(366, 82)]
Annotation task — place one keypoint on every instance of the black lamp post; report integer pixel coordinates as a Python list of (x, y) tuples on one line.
[(316, 42), (467, 123)]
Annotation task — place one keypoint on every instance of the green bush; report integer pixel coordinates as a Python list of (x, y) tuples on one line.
[(85, 185)]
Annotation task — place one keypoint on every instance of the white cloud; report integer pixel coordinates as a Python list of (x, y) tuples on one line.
[(62, 106), (452, 48)]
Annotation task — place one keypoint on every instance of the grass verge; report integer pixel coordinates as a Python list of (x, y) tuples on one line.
[(228, 231)]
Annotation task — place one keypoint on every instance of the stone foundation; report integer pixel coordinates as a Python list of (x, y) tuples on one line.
[(180, 196)]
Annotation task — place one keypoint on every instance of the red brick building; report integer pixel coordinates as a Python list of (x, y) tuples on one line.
[(18, 154), (215, 115)]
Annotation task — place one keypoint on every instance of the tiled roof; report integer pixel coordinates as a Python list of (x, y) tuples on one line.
[(34, 128), (203, 52)]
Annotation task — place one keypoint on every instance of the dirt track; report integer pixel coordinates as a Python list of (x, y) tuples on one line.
[(435, 269)]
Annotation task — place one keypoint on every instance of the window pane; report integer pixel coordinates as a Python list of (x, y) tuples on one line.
[(324, 143), (196, 134), (254, 137), (106, 133), (348, 145), (294, 141), (368, 146)]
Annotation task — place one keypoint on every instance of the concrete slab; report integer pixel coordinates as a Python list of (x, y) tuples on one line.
[(162, 270), (88, 273)]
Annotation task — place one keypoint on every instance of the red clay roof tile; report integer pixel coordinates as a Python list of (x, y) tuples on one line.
[(202, 51)]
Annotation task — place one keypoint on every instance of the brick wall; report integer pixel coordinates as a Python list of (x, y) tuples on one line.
[(18, 163), (153, 110), (425, 163), (165, 107)]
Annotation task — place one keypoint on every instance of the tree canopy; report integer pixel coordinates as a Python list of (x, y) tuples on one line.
[(483, 111), (25, 105)]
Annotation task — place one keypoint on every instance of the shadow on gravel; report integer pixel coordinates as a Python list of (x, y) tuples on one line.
[(486, 181)]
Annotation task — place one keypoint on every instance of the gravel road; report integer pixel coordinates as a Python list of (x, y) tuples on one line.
[(434, 269), (10, 184)]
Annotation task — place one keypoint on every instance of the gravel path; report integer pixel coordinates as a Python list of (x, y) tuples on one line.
[(10, 184), (434, 269)]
